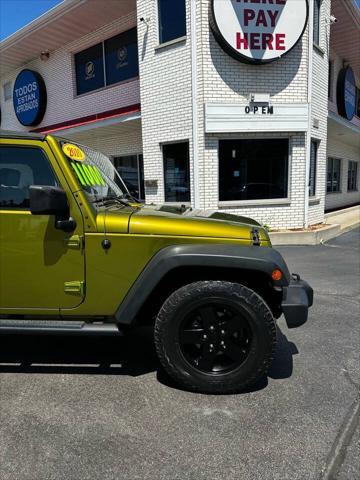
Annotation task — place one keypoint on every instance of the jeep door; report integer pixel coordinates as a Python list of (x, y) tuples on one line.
[(42, 269)]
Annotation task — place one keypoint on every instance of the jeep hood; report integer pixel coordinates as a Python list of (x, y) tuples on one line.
[(178, 221)]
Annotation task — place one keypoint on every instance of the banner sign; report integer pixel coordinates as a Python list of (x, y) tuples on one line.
[(258, 31), (346, 93), (29, 98)]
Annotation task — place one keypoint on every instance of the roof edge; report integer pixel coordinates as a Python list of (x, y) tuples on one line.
[(48, 17)]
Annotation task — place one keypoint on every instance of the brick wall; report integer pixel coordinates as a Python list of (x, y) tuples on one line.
[(222, 79), (346, 153), (319, 113), (165, 82)]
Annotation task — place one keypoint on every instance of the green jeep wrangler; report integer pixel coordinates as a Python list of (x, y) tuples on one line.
[(79, 255)]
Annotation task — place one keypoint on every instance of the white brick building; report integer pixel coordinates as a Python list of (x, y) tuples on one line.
[(168, 102)]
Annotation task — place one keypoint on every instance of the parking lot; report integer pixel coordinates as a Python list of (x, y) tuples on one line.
[(86, 408)]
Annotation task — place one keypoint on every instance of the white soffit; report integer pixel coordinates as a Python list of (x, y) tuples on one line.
[(64, 23)]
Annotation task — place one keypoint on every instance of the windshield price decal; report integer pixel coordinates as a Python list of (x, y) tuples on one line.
[(73, 152), (88, 175)]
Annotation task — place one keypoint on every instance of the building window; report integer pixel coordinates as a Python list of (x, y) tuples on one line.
[(21, 167), (89, 66), (333, 175), (313, 166), (172, 19), (317, 21), (253, 169), (107, 63), (7, 91), (330, 81), (131, 170), (176, 172), (121, 57), (352, 176)]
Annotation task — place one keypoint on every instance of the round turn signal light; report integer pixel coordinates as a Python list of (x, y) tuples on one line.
[(276, 275)]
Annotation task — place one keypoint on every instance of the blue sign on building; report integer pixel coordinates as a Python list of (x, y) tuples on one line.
[(121, 57), (89, 67), (29, 97), (346, 93)]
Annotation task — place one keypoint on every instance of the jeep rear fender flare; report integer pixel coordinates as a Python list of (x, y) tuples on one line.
[(258, 259)]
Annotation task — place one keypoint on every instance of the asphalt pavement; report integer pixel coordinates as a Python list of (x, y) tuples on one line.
[(86, 408)]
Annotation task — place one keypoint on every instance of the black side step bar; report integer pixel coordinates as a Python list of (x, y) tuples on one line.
[(57, 327)]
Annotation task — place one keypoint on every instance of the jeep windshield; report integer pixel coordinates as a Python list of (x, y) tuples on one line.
[(96, 174)]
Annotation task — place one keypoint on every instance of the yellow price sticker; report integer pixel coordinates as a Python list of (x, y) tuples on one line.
[(74, 152)]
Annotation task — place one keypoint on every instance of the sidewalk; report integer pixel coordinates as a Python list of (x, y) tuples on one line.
[(337, 222)]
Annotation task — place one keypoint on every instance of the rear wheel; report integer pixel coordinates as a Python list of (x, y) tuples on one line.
[(215, 336)]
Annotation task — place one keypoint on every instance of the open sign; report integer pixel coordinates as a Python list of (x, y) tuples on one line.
[(258, 31)]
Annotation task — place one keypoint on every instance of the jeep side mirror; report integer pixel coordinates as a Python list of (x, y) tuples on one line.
[(48, 200)]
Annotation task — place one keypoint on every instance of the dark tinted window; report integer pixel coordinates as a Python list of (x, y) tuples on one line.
[(172, 19), (317, 11), (131, 169), (177, 172), (253, 169), (333, 175), (352, 176), (313, 163), (121, 57), (330, 80), (89, 68), (20, 168)]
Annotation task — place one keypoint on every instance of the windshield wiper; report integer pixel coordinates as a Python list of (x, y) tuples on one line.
[(107, 200)]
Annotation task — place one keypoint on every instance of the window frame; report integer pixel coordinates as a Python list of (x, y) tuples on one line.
[(352, 180), (106, 86), (317, 26), (270, 201), (312, 183), (46, 156), (329, 192), (180, 38), (175, 142)]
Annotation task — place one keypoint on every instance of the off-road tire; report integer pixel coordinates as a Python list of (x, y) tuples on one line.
[(261, 351)]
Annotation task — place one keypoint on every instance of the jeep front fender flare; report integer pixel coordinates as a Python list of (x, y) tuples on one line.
[(260, 259)]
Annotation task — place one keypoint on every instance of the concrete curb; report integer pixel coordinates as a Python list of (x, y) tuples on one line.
[(343, 221), (305, 238)]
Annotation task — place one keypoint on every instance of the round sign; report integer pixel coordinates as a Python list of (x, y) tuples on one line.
[(29, 97), (258, 31), (346, 93), (74, 152)]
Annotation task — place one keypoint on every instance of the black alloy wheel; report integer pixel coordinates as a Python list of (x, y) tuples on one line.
[(215, 337)]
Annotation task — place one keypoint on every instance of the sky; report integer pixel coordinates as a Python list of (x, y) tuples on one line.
[(15, 14)]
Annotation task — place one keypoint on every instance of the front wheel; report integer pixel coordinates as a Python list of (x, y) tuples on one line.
[(215, 336)]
